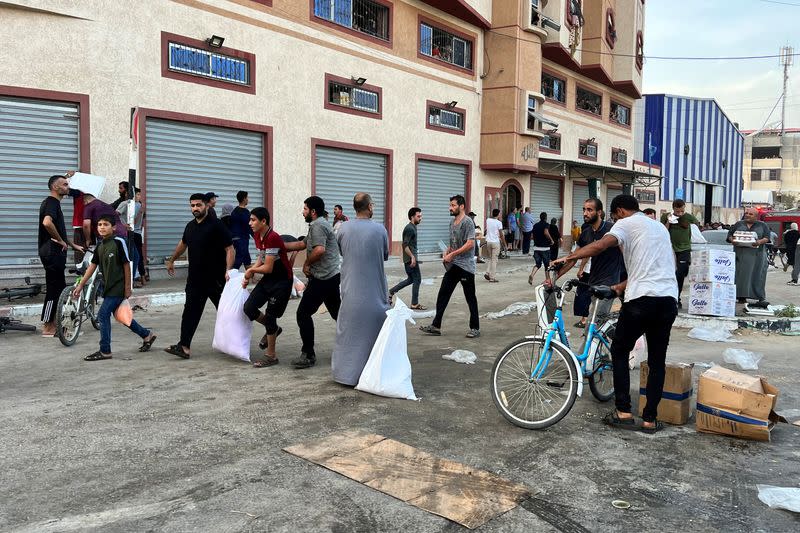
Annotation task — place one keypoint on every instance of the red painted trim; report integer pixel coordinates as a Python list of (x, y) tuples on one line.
[(266, 131), (465, 162), (609, 40), (505, 167), (356, 33), (556, 53), (568, 16), (327, 104), (449, 29), (500, 87), (462, 10), (267, 3), (166, 38), (359, 148), (439, 105), (84, 137), (514, 182)]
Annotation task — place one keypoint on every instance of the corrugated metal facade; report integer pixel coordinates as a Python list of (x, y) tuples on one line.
[(37, 139), (580, 193), (436, 183), (340, 174), (546, 197), (715, 147)]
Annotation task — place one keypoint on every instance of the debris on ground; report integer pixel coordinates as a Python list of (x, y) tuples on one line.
[(744, 359), (780, 497), (461, 356), (621, 504), (789, 311), (427, 281), (711, 335), (517, 308)]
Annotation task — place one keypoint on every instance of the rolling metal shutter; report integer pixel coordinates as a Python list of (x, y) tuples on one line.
[(37, 139), (184, 158), (436, 183), (580, 193), (611, 193), (546, 196), (340, 174)]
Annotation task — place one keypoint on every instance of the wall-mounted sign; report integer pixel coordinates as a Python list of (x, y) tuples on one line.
[(646, 196), (195, 61)]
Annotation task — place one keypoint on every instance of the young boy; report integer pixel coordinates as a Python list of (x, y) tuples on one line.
[(275, 286), (112, 258)]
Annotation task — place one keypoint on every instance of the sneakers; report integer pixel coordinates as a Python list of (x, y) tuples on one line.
[(304, 361), (473, 333), (431, 330), (792, 282)]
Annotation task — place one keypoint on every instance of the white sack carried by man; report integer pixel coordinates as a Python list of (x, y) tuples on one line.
[(233, 329), (388, 370)]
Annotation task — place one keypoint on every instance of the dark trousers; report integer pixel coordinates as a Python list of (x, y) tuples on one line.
[(414, 278), (196, 296), (526, 242), (79, 239), (682, 262), (318, 291), (108, 307), (139, 243), (54, 264), (583, 298), (652, 317), (450, 281)]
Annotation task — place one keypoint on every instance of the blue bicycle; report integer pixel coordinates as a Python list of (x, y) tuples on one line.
[(536, 379)]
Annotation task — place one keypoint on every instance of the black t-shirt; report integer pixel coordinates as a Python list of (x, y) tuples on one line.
[(607, 267), (51, 207), (790, 239), (206, 242), (540, 240), (555, 233)]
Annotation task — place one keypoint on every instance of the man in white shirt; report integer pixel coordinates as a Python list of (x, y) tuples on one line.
[(494, 232), (650, 308)]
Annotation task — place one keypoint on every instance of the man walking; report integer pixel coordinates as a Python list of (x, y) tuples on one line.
[(322, 270), (651, 295), (555, 234), (678, 223), (240, 225), (459, 262), (364, 245), (410, 262), (210, 257), (53, 244), (542, 242), (527, 230), (494, 232)]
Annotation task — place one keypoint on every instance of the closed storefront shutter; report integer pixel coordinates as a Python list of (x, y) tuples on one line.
[(580, 193), (546, 197), (38, 138), (611, 193), (436, 183), (184, 158), (340, 174)]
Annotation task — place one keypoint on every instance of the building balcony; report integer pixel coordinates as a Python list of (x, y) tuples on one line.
[(772, 162)]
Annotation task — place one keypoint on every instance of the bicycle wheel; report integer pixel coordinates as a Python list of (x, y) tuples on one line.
[(533, 403), (91, 308), (68, 318), (601, 380)]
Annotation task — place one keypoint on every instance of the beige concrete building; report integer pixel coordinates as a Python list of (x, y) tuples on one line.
[(772, 163), (412, 101)]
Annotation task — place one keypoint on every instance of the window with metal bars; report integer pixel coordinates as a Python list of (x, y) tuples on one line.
[(774, 174), (551, 142), (619, 156), (444, 46), (588, 101), (620, 114), (364, 16), (587, 149), (445, 118), (554, 88), (755, 175), (353, 97)]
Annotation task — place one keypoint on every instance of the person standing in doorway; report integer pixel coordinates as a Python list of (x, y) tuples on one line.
[(138, 237), (410, 262), (211, 202), (241, 230), (526, 224), (542, 242), (210, 257), (751, 257), (322, 270), (364, 246), (339, 218), (459, 262), (494, 232), (678, 223), (513, 229), (555, 234), (53, 243)]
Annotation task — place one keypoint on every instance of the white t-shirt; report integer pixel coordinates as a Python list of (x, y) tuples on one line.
[(494, 228), (648, 255)]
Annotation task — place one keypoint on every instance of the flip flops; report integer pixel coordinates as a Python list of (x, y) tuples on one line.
[(611, 419), (659, 425), (267, 361), (176, 349), (146, 345), (418, 307), (263, 342), (97, 356)]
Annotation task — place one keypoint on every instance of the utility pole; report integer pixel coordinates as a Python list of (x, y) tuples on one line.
[(787, 58)]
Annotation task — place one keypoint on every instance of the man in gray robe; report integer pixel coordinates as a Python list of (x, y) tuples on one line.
[(364, 246), (751, 257)]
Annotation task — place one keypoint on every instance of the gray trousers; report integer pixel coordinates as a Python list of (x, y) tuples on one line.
[(796, 266)]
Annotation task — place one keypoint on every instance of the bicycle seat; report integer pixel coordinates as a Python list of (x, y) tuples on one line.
[(603, 292)]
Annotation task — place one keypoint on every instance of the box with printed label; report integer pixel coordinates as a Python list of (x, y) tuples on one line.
[(703, 306), (732, 403), (712, 256), (718, 274), (713, 291), (676, 400)]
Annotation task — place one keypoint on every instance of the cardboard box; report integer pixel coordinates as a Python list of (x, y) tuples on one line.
[(709, 298), (712, 256), (735, 404), (717, 274), (700, 306), (676, 400)]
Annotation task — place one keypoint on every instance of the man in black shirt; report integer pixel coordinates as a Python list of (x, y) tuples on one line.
[(410, 260), (210, 257), (542, 242), (53, 244)]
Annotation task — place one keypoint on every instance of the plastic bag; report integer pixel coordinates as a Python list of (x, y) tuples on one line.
[(780, 497), (744, 359), (233, 329), (697, 235), (638, 354), (388, 370), (517, 308), (711, 335), (124, 313), (297, 288), (461, 356)]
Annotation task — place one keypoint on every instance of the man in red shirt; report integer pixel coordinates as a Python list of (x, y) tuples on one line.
[(275, 286)]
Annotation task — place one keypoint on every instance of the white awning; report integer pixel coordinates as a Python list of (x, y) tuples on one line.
[(543, 119), (758, 197)]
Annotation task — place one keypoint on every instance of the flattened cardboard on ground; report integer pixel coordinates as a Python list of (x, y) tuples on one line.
[(446, 488), (732, 403), (676, 400)]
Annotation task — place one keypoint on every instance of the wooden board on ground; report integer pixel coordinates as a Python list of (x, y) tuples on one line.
[(453, 490)]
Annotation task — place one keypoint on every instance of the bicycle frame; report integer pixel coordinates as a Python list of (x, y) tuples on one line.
[(81, 271)]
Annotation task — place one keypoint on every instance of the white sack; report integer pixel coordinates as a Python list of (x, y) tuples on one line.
[(87, 183), (233, 329), (388, 370), (697, 235), (780, 497)]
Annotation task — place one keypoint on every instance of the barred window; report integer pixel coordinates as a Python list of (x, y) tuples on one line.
[(445, 118), (554, 88), (588, 101), (620, 114), (353, 97), (444, 46), (550, 142), (364, 16)]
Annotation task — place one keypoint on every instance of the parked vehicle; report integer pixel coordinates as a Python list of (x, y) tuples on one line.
[(717, 240), (779, 221)]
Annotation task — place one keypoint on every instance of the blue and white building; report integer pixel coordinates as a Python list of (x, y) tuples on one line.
[(699, 151)]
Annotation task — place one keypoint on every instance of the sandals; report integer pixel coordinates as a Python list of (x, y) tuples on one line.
[(267, 361), (176, 349), (659, 425), (97, 356), (263, 342), (146, 345), (418, 307), (611, 419)]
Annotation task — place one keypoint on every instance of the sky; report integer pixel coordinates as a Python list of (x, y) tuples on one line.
[(746, 90)]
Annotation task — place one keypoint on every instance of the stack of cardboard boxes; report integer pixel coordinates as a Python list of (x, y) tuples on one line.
[(712, 283)]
